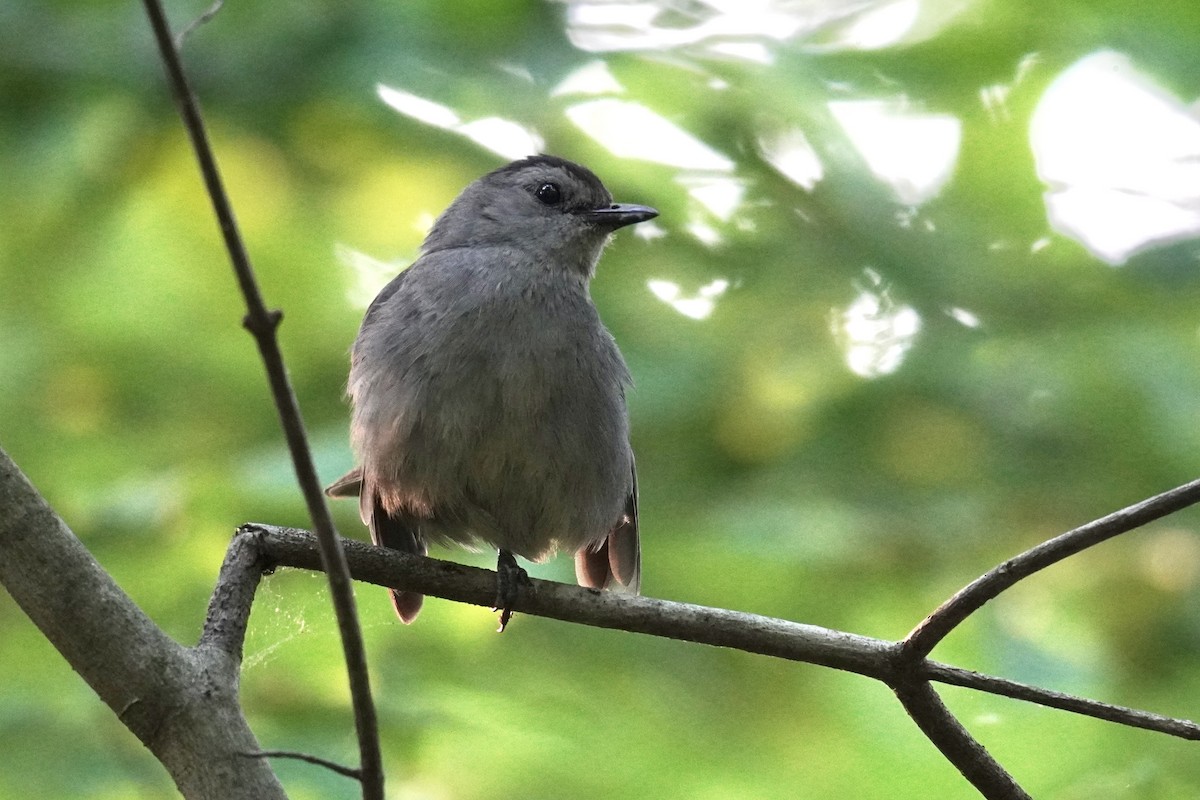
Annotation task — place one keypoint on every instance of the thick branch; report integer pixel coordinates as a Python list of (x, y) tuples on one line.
[(182, 704), (232, 598)]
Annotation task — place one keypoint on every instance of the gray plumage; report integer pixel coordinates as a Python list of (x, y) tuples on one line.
[(489, 398)]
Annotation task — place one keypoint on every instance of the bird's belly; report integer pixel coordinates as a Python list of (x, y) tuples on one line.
[(520, 441), (542, 473)]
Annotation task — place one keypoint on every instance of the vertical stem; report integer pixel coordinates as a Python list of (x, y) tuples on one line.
[(262, 325)]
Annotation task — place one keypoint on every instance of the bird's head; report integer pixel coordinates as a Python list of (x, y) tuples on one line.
[(554, 211)]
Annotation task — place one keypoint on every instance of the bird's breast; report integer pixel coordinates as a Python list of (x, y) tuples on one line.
[(511, 411)]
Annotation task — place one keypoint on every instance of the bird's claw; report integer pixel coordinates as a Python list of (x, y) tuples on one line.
[(510, 577)]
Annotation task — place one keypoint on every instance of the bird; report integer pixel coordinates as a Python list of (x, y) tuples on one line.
[(489, 399)]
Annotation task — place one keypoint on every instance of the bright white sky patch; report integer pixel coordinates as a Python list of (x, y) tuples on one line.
[(914, 152), (750, 30), (1120, 156), (369, 273), (630, 130), (706, 234), (755, 52), (963, 317), (721, 24), (720, 195), (501, 136), (792, 157), (419, 108), (698, 305), (881, 26), (648, 231), (874, 332), (592, 78)]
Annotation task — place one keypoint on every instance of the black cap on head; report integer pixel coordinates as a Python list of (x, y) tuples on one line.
[(579, 171)]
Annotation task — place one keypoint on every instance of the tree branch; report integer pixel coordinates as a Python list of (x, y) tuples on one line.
[(874, 658), (907, 671), (955, 743), (229, 607), (1132, 717), (181, 703), (262, 324), (332, 766), (921, 641)]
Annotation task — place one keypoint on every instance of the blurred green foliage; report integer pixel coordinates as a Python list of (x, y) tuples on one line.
[(774, 479)]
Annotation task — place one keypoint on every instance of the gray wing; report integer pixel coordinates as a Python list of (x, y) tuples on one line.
[(619, 555), (384, 295), (401, 533), (349, 485)]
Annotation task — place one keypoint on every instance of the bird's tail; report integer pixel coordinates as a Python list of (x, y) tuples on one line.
[(401, 532)]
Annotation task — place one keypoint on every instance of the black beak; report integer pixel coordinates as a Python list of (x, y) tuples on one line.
[(618, 215)]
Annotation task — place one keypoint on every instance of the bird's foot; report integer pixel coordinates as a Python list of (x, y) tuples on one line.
[(510, 577)]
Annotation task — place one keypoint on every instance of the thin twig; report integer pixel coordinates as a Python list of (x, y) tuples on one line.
[(262, 325), (921, 641), (211, 12), (751, 633), (1122, 715), (333, 766)]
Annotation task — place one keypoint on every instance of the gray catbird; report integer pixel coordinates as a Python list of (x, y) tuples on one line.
[(489, 399)]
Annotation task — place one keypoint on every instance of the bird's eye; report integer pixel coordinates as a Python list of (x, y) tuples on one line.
[(549, 194)]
